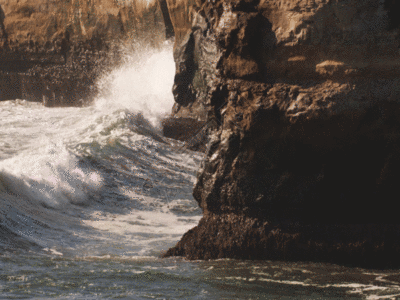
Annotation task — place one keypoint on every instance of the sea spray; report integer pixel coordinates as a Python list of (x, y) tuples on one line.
[(99, 175), (143, 84), (90, 197)]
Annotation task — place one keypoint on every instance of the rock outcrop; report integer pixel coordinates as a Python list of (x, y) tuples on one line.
[(52, 51), (302, 99), (191, 131), (43, 21)]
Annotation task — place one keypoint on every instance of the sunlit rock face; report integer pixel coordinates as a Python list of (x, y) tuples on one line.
[(46, 20), (52, 51), (302, 98)]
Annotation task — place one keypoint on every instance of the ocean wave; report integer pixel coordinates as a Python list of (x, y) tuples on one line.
[(101, 179)]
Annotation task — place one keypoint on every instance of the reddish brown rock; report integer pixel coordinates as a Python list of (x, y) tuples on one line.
[(306, 104), (43, 65), (45, 20)]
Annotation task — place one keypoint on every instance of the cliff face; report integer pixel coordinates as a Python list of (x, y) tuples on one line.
[(302, 99), (52, 51), (46, 20)]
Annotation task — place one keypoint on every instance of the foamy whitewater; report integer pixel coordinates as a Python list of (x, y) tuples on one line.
[(90, 198)]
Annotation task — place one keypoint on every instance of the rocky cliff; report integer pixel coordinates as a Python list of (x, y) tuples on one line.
[(302, 99), (43, 21), (49, 48)]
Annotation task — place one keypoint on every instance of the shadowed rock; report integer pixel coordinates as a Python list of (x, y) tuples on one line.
[(303, 159), (188, 130)]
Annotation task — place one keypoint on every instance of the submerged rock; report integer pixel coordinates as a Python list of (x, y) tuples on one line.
[(303, 161)]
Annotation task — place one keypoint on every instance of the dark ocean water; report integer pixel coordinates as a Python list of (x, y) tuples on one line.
[(90, 197)]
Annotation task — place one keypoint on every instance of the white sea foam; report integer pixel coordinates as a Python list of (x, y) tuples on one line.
[(100, 184), (99, 180), (143, 87)]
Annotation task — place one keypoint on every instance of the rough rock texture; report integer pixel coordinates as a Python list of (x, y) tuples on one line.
[(41, 21), (188, 130), (302, 99), (44, 65)]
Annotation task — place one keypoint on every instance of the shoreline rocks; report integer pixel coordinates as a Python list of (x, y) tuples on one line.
[(304, 98), (188, 130), (237, 236), (35, 77)]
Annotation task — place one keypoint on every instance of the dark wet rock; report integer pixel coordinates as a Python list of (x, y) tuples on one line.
[(169, 28), (304, 98), (50, 80), (188, 130), (242, 237)]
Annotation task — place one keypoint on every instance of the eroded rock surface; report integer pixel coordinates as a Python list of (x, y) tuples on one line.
[(38, 61), (304, 102), (41, 21), (192, 132)]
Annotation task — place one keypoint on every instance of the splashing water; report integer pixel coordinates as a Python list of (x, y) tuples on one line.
[(85, 173), (90, 197), (143, 87)]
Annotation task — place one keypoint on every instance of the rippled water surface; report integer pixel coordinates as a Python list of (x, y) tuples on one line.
[(91, 197)]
